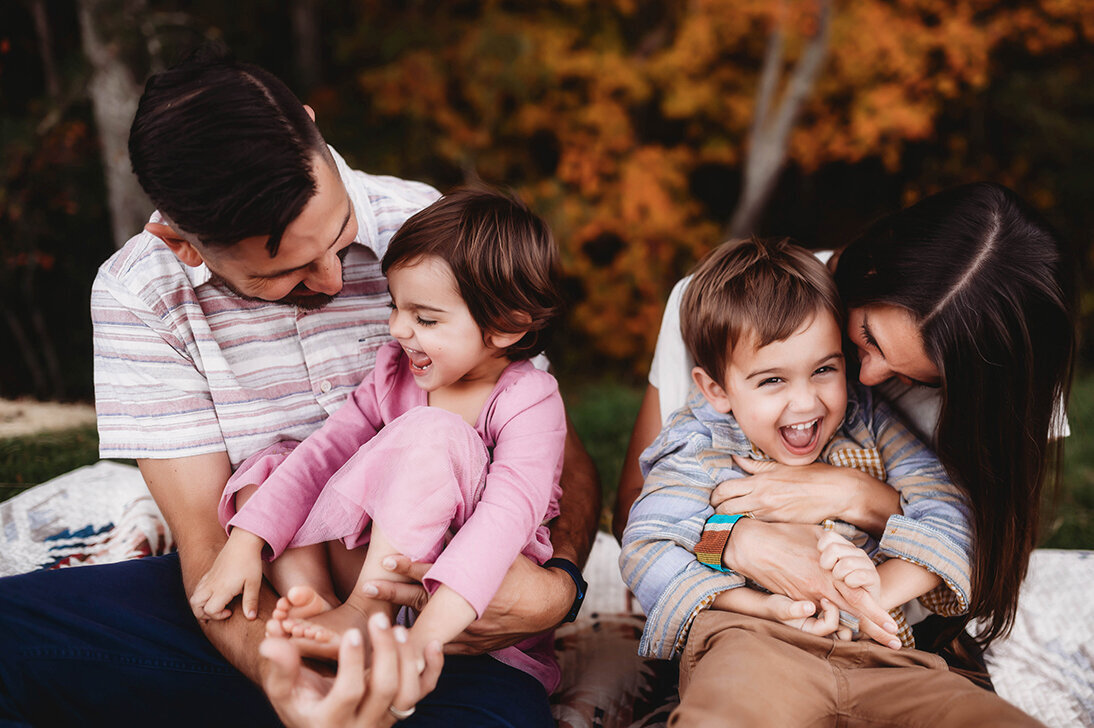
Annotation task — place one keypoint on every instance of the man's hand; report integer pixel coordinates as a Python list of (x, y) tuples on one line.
[(237, 570), (530, 600)]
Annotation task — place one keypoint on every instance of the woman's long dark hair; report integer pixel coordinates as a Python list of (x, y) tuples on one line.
[(992, 288)]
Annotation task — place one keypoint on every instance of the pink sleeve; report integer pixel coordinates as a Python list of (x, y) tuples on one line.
[(282, 503), (528, 424)]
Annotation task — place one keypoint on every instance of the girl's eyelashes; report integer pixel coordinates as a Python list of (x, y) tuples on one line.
[(425, 322)]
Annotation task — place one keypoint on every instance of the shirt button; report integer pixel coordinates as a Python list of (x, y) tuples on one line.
[(325, 386)]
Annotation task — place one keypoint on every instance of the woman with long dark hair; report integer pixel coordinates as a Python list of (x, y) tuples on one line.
[(962, 307)]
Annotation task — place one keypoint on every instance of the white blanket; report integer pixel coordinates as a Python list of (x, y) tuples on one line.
[(104, 513)]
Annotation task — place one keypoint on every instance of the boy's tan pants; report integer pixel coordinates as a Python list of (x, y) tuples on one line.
[(743, 671)]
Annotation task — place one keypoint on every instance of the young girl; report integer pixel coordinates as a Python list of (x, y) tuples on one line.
[(449, 452)]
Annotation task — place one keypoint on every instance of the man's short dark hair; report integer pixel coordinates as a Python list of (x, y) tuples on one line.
[(224, 149)]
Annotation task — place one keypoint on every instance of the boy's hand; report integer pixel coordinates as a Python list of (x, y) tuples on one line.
[(237, 570), (849, 564), (800, 614), (857, 581)]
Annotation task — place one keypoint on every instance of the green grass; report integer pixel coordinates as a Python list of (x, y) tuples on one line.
[(27, 461), (1069, 522), (603, 413)]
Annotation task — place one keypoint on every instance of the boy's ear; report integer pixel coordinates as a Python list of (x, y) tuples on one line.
[(714, 392), (180, 246)]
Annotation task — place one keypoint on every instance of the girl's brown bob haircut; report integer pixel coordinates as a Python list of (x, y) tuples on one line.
[(757, 290), (502, 256)]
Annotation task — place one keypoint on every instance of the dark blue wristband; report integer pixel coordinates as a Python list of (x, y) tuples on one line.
[(575, 573)]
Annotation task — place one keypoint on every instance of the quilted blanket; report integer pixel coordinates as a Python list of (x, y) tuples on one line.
[(104, 513)]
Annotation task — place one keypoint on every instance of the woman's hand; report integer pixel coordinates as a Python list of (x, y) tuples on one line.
[(357, 697), (531, 600), (807, 494)]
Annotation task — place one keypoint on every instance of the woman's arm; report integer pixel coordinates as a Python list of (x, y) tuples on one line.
[(808, 494)]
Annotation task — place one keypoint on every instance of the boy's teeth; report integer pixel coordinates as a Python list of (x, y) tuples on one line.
[(800, 435)]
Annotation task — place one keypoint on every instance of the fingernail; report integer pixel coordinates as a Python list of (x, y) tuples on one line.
[(380, 620), (388, 563), (251, 614), (370, 590), (354, 637), (400, 634), (895, 644), (421, 666)]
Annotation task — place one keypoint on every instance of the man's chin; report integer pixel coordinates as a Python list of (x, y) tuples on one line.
[(312, 302)]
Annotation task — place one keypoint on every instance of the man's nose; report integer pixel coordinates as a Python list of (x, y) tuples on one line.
[(325, 276)]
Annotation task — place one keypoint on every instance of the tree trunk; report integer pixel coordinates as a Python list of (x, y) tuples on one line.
[(305, 28), (114, 96), (771, 127)]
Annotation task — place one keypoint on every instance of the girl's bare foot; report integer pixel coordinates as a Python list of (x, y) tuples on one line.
[(320, 636), (300, 603)]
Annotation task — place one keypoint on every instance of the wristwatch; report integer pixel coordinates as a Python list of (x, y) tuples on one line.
[(575, 573)]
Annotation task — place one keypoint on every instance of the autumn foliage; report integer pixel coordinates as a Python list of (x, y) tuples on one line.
[(604, 115)]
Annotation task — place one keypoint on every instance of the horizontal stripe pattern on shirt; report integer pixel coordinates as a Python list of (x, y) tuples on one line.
[(183, 366)]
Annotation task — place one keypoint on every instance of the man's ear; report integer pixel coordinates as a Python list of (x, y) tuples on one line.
[(715, 393), (310, 111), (180, 246)]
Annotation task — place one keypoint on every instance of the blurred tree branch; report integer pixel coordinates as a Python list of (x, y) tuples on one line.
[(114, 96), (771, 126)]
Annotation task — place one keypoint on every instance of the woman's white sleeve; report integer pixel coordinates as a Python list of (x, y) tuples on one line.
[(670, 371)]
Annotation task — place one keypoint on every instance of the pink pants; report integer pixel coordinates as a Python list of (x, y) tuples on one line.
[(420, 477)]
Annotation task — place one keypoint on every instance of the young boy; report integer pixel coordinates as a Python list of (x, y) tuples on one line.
[(762, 321)]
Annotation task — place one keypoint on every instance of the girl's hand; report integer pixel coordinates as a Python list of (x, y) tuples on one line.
[(359, 696), (531, 600), (237, 570), (784, 493)]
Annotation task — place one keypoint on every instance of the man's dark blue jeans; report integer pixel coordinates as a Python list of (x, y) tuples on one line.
[(117, 644)]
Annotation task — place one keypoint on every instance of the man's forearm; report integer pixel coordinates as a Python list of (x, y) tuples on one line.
[(573, 532), (187, 491), (236, 638)]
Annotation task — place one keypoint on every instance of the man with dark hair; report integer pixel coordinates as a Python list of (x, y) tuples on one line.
[(244, 314)]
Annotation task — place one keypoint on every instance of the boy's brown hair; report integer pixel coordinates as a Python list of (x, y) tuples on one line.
[(761, 289), (502, 256)]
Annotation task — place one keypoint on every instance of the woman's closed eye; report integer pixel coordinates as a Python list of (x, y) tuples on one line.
[(869, 338)]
